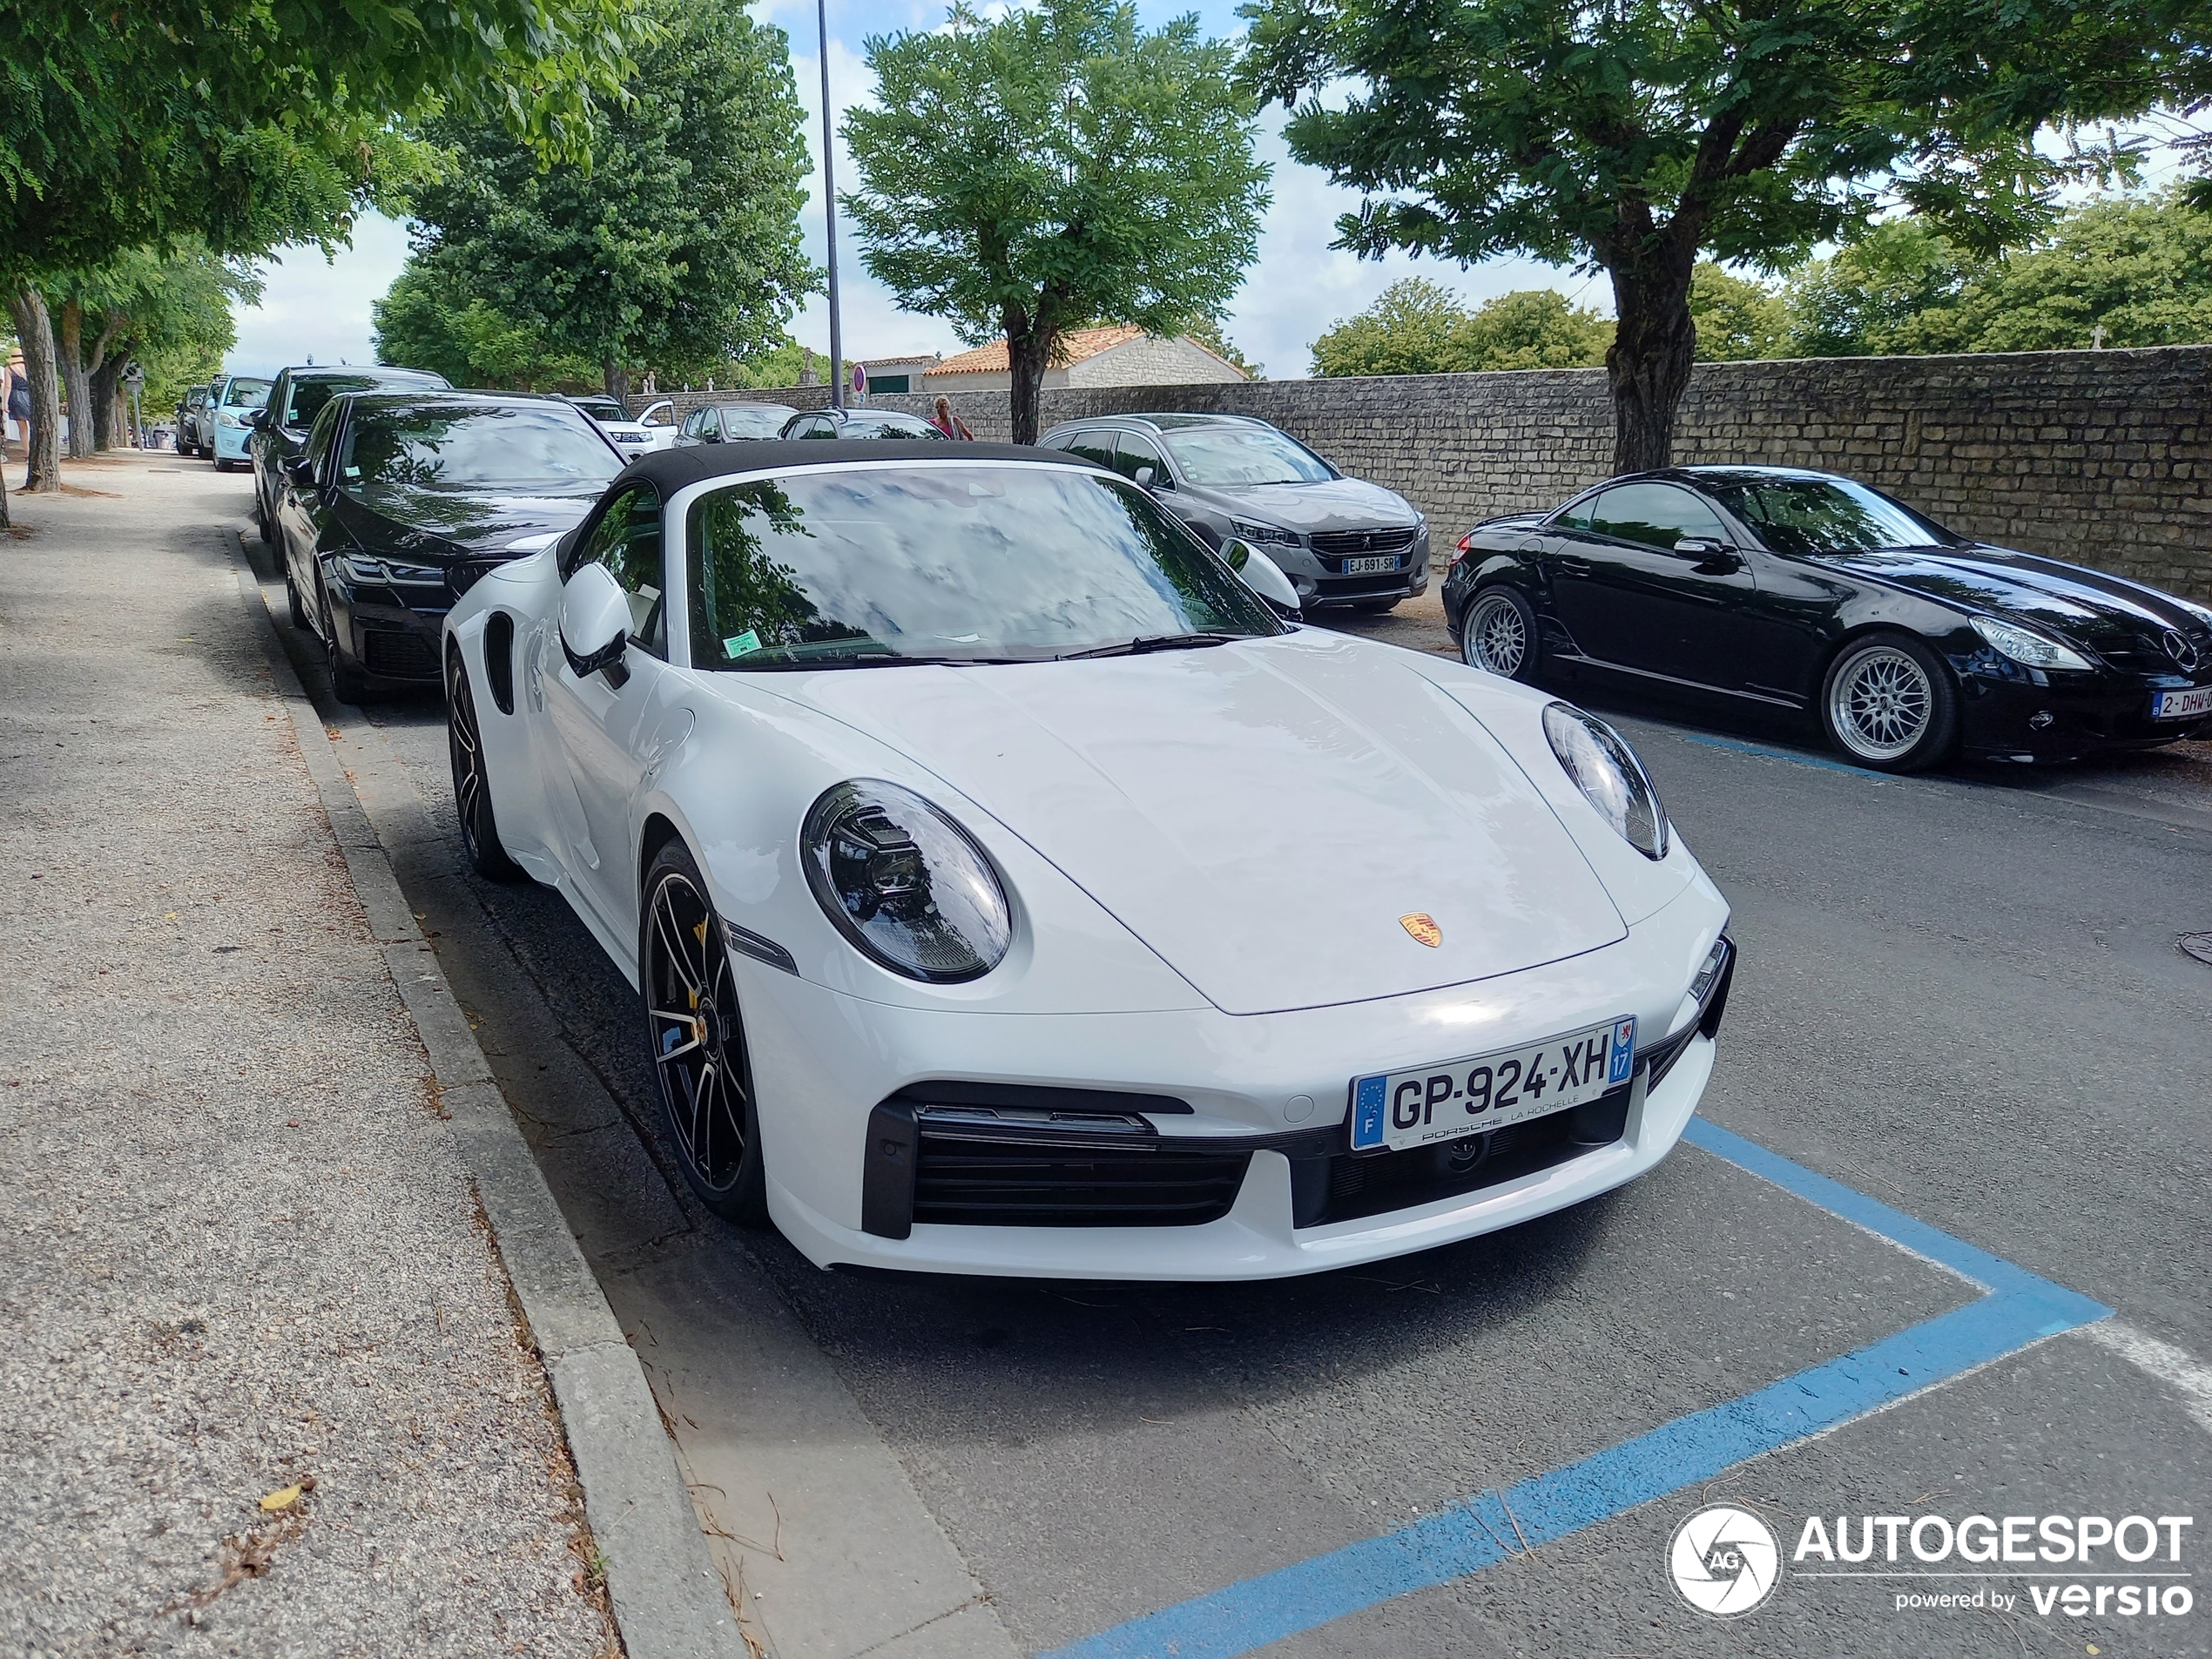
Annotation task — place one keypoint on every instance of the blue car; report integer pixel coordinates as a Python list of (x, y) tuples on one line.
[(230, 400)]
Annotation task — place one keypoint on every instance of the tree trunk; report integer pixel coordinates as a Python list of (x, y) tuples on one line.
[(617, 382), (34, 330), (1029, 349), (1654, 346), (77, 381), (107, 388)]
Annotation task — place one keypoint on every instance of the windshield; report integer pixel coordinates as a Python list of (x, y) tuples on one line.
[(964, 564), (1827, 516), (755, 420), (541, 446), (244, 394), (1244, 455), (888, 426), (602, 409)]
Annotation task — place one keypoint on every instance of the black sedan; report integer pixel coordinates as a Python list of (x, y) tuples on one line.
[(1792, 589), (400, 501), (281, 424)]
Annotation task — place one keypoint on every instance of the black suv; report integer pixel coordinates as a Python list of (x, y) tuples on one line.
[(281, 425)]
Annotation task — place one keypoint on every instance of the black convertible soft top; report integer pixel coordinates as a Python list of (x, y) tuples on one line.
[(670, 470)]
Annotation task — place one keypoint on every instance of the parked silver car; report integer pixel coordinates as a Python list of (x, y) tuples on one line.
[(1341, 541)]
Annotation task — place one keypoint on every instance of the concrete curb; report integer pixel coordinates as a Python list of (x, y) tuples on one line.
[(668, 1597)]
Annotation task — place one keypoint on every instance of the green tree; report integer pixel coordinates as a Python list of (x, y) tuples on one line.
[(1025, 177), (431, 318), (1416, 327), (2118, 272), (1738, 319), (678, 247), (1635, 135)]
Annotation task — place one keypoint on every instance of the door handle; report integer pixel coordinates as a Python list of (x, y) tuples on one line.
[(1572, 567)]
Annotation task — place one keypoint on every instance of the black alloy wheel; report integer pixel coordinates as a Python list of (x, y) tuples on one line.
[(471, 783), (1888, 703), (695, 1036), (1498, 634), (291, 600), (347, 683)]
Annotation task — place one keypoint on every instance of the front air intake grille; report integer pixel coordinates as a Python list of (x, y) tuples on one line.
[(393, 655), (1341, 543), (972, 1172)]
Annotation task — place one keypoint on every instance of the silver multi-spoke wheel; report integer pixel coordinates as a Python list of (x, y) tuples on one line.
[(697, 1039), (1880, 703), (1496, 634)]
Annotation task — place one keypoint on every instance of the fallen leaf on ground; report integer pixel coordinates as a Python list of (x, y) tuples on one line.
[(282, 1498)]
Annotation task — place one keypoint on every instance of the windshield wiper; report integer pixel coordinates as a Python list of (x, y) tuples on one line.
[(1144, 643)]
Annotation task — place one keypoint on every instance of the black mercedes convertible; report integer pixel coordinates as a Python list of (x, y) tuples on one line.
[(400, 501), (1803, 590)]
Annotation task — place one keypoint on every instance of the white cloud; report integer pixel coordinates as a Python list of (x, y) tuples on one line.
[(318, 308)]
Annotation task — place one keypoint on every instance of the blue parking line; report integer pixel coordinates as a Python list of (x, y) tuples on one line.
[(1764, 752), (2021, 1308)]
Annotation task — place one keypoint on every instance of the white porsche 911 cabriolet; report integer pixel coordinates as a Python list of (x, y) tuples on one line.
[(1010, 890)]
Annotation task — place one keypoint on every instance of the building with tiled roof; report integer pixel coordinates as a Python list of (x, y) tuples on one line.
[(1116, 356)]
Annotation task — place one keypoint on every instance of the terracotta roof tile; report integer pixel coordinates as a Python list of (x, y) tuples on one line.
[(1075, 348)]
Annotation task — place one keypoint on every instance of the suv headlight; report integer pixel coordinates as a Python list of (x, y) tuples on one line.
[(2028, 649), (903, 882), (1262, 535), (367, 568), (1607, 773)]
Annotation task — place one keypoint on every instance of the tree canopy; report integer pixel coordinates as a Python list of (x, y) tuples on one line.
[(2139, 269), (1027, 176), (677, 249), (1634, 136)]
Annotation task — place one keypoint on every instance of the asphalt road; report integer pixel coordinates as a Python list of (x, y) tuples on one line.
[(1959, 994)]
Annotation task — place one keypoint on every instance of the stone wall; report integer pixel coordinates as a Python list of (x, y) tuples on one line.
[(2100, 457)]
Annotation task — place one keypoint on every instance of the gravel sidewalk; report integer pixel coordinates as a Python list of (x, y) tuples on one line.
[(242, 1258)]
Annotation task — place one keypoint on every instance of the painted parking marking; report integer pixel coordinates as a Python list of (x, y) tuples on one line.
[(1764, 752), (2019, 1310)]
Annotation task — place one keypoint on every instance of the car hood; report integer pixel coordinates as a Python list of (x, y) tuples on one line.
[(1262, 814), (1332, 504), (2110, 615), (409, 522)]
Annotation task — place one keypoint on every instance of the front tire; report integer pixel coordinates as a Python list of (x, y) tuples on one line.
[(695, 1038), (471, 782), (1499, 635), (347, 683), (1888, 703)]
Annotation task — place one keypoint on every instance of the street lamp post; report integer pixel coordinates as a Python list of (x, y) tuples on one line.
[(829, 209)]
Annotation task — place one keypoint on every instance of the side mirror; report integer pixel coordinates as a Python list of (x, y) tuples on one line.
[(1262, 574), (300, 469), (1707, 551), (595, 621), (257, 417), (1145, 475)]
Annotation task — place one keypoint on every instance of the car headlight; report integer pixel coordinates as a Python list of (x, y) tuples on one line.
[(1262, 535), (905, 883), (360, 567), (226, 418), (1607, 773), (2027, 648)]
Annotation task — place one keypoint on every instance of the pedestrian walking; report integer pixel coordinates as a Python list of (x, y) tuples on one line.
[(950, 424), (19, 401)]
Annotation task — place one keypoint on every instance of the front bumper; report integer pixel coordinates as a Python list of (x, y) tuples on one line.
[(393, 636), (230, 441), (2033, 716), (1268, 1094), (1320, 578)]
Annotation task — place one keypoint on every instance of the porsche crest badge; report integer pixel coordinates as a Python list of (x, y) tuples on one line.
[(1423, 927)]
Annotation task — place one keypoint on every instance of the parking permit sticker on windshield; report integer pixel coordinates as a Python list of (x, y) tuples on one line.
[(742, 645)]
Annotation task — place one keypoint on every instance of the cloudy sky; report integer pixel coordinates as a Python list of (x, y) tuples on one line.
[(1298, 288)]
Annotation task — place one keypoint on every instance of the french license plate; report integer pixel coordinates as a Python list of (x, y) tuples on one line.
[(1484, 1092), (2179, 705), (1373, 565)]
